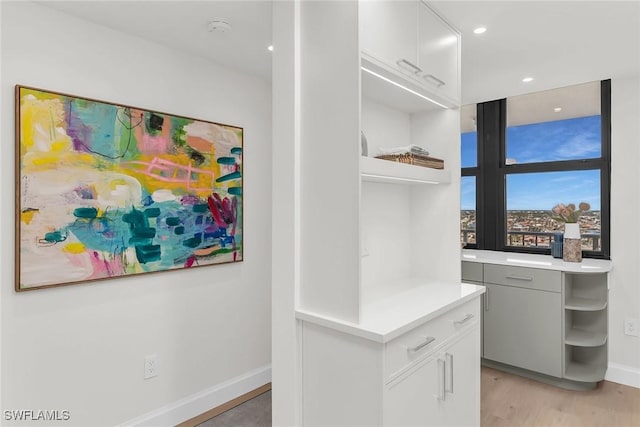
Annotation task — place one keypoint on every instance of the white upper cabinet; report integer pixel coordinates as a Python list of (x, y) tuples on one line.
[(410, 40), (389, 33), (438, 53)]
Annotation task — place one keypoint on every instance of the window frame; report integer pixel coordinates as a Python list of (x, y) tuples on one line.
[(491, 173)]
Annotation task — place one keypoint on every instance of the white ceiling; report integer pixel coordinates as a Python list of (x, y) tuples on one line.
[(183, 25), (558, 43), (579, 100)]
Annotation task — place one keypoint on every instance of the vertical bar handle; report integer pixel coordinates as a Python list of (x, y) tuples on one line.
[(449, 363), (486, 299), (441, 376)]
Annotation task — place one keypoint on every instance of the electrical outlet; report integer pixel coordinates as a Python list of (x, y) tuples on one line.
[(631, 327), (150, 366)]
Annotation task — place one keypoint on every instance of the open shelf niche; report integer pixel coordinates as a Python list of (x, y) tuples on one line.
[(586, 328), (404, 233)]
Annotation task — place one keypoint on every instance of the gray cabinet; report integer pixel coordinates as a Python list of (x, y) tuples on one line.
[(472, 272), (522, 327), (545, 321)]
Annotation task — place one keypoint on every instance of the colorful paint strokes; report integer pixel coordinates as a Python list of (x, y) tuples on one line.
[(107, 190)]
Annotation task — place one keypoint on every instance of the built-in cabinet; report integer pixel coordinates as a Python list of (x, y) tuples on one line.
[(438, 46), (427, 376), (523, 318), (549, 320), (441, 386), (410, 38), (388, 334), (389, 33)]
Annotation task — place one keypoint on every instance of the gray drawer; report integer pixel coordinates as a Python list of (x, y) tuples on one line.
[(471, 271), (523, 277)]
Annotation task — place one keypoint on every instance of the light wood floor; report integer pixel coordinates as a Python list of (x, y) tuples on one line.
[(513, 401)]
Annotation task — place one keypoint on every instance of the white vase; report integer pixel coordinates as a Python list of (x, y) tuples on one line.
[(571, 230)]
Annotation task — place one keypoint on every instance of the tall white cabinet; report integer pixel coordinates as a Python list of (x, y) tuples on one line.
[(387, 333)]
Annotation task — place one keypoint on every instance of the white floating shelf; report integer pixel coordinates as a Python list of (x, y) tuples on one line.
[(378, 170)]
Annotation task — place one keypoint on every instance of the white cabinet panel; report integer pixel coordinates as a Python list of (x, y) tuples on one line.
[(438, 56), (442, 390), (462, 382), (413, 399), (410, 39), (388, 32)]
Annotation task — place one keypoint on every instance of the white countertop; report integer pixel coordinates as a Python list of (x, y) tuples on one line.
[(546, 262), (392, 313)]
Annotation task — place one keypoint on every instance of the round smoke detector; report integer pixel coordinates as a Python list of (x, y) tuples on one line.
[(219, 25)]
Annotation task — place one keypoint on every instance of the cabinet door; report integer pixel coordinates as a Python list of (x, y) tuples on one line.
[(462, 380), (389, 33), (413, 400), (522, 327), (438, 53)]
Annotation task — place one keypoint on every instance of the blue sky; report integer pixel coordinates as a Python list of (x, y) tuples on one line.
[(558, 140)]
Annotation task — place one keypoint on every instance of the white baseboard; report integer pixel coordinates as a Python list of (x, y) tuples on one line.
[(623, 374), (199, 403)]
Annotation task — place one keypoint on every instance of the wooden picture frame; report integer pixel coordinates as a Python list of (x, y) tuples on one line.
[(105, 190)]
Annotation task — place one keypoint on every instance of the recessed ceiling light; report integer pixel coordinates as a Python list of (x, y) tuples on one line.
[(557, 109), (479, 30), (270, 48), (527, 79)]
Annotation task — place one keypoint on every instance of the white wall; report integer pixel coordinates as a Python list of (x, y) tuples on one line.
[(81, 348), (386, 233), (436, 209), (384, 126), (624, 294), (385, 250)]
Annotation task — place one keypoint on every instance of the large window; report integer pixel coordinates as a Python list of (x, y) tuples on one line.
[(468, 184), (534, 152)]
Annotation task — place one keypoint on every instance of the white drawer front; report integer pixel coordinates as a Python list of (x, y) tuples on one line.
[(409, 348)]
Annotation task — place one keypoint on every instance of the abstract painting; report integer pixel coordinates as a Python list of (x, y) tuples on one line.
[(107, 190)]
